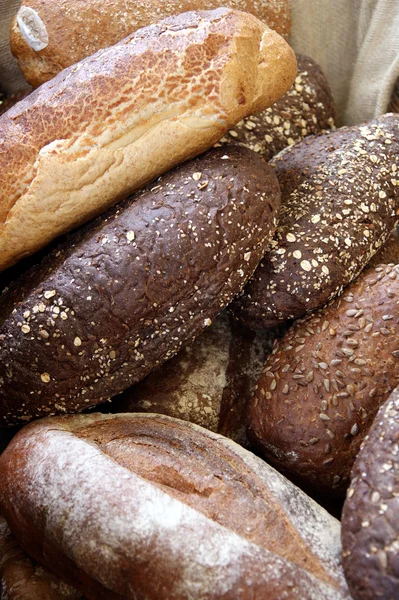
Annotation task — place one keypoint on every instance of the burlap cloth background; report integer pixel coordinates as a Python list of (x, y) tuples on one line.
[(355, 41)]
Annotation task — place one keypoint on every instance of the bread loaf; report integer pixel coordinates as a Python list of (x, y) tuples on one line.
[(122, 295), (145, 506), (370, 526), (209, 382), (325, 381), (307, 108), (340, 202), (23, 579), (48, 36), (120, 118)]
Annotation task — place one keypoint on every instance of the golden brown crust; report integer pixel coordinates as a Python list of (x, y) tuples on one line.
[(325, 380), (66, 31), (146, 506), (104, 127)]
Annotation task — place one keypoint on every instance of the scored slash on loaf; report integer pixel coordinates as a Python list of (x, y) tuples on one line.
[(145, 506), (340, 202), (325, 380), (118, 119), (48, 36), (123, 294)]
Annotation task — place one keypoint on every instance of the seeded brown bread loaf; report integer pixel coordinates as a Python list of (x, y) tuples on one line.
[(122, 295), (370, 523), (120, 118), (307, 108), (209, 382), (48, 36), (326, 379), (21, 578), (145, 506), (340, 202)]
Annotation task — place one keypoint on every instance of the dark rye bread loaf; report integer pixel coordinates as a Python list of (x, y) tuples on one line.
[(21, 578), (340, 201), (148, 507), (370, 519), (307, 108), (325, 380), (209, 382), (122, 295)]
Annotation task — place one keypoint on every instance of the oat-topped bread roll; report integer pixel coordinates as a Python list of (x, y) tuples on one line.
[(149, 507), (323, 383), (306, 109), (121, 296), (120, 118), (21, 578), (340, 202), (370, 525), (48, 36), (209, 382)]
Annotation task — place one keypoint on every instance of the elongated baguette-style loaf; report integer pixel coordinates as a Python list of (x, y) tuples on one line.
[(48, 36), (123, 294), (148, 507), (104, 127)]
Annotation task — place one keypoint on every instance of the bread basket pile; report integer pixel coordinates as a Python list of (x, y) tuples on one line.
[(199, 325)]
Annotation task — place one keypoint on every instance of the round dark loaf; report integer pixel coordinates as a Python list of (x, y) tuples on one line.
[(149, 507), (122, 295), (23, 579), (325, 381), (370, 519), (306, 109), (340, 202), (209, 382)]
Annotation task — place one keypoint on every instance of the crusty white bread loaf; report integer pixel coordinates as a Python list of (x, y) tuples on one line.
[(118, 119), (21, 578), (148, 507), (48, 36)]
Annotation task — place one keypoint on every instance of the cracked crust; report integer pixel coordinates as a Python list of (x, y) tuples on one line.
[(146, 506), (118, 119), (66, 31)]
